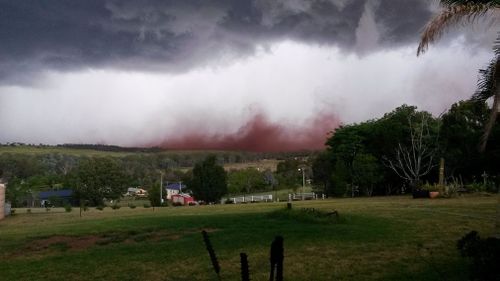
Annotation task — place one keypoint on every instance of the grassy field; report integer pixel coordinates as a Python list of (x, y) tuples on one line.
[(34, 150), (395, 238), (262, 165)]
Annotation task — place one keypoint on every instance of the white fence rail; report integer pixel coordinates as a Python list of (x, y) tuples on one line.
[(250, 198), (305, 196)]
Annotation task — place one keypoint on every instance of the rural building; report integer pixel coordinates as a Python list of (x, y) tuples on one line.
[(182, 199), (137, 192), (173, 189), (65, 196)]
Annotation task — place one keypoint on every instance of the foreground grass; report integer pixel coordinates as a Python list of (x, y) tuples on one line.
[(394, 238)]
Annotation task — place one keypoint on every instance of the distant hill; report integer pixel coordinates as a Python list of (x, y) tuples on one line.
[(100, 150)]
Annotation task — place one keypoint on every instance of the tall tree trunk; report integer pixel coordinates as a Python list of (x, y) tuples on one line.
[(494, 110)]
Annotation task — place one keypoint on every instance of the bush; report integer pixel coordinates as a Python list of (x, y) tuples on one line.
[(451, 190), (177, 204), (13, 212), (28, 211), (146, 205), (100, 207), (228, 201), (115, 207), (131, 206), (68, 208), (484, 254)]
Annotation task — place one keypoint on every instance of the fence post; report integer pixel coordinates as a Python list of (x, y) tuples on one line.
[(277, 256)]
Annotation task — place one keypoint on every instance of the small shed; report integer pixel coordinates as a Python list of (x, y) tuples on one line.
[(182, 199)]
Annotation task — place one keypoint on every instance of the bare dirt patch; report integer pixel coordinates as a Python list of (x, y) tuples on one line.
[(61, 243)]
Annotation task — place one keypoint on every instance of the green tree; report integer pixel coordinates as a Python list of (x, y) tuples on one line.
[(208, 182), (98, 179), (246, 180), (366, 172), (462, 126), (322, 169), (288, 174), (154, 195)]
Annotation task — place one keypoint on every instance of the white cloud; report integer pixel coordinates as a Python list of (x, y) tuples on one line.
[(290, 82)]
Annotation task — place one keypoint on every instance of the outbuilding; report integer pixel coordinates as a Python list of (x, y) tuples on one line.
[(65, 196)]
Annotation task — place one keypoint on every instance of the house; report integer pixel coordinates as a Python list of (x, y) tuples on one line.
[(173, 189), (183, 199), (137, 192), (64, 196)]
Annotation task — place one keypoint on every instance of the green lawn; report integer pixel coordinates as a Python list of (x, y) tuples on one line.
[(384, 238)]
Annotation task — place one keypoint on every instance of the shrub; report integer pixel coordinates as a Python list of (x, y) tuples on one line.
[(451, 190), (131, 206), (68, 208), (115, 207), (484, 254), (146, 205), (13, 212), (228, 201), (28, 211), (177, 204), (100, 207), (430, 187)]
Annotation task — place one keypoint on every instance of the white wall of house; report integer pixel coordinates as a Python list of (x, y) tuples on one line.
[(171, 192)]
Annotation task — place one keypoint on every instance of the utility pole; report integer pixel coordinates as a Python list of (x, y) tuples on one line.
[(161, 187), (303, 181)]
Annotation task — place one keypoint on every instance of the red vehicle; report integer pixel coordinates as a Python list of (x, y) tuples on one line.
[(183, 199)]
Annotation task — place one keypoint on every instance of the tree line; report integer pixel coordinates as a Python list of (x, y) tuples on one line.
[(401, 151)]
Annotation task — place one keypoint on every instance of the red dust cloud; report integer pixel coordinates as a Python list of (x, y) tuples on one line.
[(261, 135)]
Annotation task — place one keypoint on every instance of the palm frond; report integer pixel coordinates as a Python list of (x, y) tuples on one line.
[(456, 12), (488, 86), (487, 83)]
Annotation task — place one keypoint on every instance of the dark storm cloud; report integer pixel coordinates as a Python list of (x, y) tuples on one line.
[(178, 35)]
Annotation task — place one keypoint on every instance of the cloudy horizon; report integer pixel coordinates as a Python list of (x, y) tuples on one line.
[(247, 75)]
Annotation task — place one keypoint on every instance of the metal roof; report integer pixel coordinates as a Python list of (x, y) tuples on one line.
[(175, 186), (56, 193)]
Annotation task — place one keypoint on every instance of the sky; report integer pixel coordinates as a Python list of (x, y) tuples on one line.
[(259, 75)]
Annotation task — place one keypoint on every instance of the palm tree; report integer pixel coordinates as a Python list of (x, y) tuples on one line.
[(468, 11), (457, 11)]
